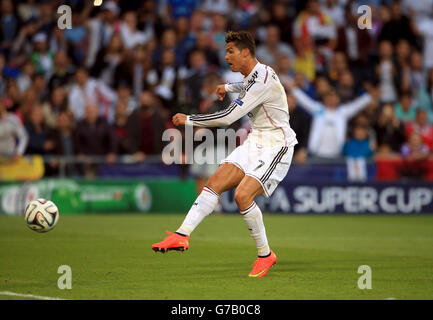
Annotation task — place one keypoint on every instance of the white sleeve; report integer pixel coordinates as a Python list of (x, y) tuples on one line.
[(310, 105), (254, 96), (234, 87), (352, 108)]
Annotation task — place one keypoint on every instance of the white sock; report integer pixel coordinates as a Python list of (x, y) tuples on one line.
[(254, 219), (203, 206)]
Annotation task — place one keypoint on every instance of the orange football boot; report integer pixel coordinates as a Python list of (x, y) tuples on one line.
[(262, 265), (173, 241)]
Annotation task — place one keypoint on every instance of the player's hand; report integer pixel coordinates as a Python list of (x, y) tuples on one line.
[(179, 119), (221, 91)]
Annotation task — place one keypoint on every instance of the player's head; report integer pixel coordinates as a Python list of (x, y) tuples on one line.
[(240, 49)]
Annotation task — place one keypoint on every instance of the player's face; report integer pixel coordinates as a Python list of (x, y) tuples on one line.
[(233, 57)]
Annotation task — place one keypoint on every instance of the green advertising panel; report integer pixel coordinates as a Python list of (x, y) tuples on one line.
[(74, 196)]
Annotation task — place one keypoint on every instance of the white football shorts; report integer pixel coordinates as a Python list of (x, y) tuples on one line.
[(268, 165)]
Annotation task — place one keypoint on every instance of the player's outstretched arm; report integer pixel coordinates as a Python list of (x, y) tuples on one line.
[(255, 96)]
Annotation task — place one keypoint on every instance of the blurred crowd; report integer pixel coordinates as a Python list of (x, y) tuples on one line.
[(110, 85)]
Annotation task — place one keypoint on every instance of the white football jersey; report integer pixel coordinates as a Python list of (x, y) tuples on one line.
[(263, 99)]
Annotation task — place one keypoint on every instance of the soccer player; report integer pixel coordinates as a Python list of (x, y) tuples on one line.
[(255, 167)]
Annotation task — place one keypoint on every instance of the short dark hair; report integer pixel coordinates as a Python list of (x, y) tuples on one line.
[(242, 40)]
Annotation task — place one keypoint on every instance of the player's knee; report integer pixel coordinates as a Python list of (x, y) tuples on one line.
[(242, 198), (212, 183)]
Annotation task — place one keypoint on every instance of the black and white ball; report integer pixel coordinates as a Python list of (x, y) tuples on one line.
[(41, 215)]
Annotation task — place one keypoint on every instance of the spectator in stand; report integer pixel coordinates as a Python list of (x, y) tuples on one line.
[(120, 129), (385, 72), (398, 27), (90, 91), (414, 152), (315, 29), (57, 103), (131, 36), (280, 18), (273, 48), (125, 97), (25, 79), (107, 60), (47, 16), (29, 101), (335, 11), (102, 26), (417, 83), (62, 135), (42, 58), (93, 135), (284, 69), (180, 8), (22, 47), (405, 109), (422, 127), (217, 37), (336, 66), (2, 78), (62, 140), (402, 66), (168, 41), (164, 79), (110, 24), (358, 150), (145, 127), (13, 136), (424, 29), (78, 38), (185, 40), (40, 86), (58, 41), (63, 71), (12, 99), (322, 87), (196, 75), (389, 130), (9, 26), (221, 7), (356, 43), (414, 149), (429, 90), (37, 131), (203, 43), (346, 88), (27, 10), (329, 120)]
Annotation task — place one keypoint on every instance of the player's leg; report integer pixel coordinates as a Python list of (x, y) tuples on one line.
[(225, 178), (245, 193), (247, 190)]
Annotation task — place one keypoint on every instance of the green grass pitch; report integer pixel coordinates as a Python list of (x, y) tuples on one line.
[(318, 258)]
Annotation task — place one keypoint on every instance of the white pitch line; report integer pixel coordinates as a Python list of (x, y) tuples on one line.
[(14, 294)]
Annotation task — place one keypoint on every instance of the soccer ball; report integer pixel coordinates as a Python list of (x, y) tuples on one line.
[(41, 215)]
